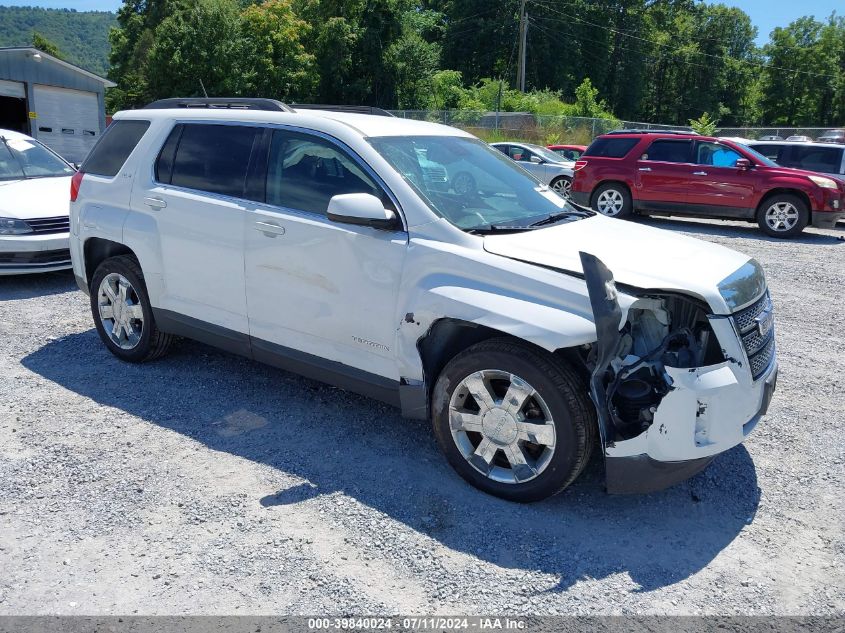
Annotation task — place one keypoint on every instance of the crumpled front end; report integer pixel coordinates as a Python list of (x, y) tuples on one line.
[(674, 384)]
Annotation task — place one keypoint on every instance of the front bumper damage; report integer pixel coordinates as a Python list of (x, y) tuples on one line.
[(682, 416)]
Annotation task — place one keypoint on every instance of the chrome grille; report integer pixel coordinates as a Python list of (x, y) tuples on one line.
[(757, 334), (59, 224)]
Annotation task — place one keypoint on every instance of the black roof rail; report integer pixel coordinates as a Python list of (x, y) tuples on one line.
[(641, 131), (342, 108), (223, 103)]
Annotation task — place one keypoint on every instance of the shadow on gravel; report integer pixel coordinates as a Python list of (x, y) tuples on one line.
[(734, 230), (36, 285), (339, 442)]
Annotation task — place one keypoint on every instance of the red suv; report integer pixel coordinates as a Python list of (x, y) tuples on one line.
[(686, 174)]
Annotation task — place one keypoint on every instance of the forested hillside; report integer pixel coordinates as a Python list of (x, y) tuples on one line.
[(82, 37)]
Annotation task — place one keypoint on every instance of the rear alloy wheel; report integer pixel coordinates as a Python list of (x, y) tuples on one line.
[(612, 200), (122, 312), (513, 420), (562, 186), (783, 216)]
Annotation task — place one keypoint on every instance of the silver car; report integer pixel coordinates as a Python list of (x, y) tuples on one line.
[(544, 164)]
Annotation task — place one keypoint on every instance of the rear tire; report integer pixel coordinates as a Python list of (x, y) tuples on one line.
[(562, 185), (783, 215), (613, 200), (122, 312), (513, 420)]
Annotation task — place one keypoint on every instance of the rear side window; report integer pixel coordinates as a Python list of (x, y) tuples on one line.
[(114, 147), (212, 158), (164, 162), (611, 147), (824, 159), (669, 151)]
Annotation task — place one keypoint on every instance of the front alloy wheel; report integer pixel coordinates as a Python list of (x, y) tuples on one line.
[(512, 419), (502, 426), (783, 215)]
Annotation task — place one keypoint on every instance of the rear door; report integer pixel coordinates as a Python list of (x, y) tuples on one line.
[(819, 158), (665, 174), (718, 187), (523, 156), (195, 196)]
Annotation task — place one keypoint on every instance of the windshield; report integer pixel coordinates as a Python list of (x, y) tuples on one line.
[(472, 185), (759, 157), (27, 158)]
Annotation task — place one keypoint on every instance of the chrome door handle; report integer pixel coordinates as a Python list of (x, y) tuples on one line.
[(271, 230), (645, 168), (699, 173), (155, 203)]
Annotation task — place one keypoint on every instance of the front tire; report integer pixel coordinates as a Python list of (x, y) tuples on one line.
[(513, 420), (783, 215), (122, 312), (613, 200)]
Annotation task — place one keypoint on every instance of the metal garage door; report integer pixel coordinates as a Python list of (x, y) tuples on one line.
[(68, 121), (12, 89)]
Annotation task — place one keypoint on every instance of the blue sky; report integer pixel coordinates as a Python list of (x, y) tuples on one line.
[(766, 14)]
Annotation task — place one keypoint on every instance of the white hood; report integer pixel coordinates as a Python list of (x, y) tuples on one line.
[(35, 198), (637, 255)]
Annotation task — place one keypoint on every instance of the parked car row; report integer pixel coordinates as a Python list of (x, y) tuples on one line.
[(664, 173), (831, 136)]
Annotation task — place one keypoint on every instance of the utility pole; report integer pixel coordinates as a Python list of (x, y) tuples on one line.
[(523, 39)]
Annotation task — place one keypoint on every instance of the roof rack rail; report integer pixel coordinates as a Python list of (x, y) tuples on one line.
[(342, 108), (223, 103), (641, 131)]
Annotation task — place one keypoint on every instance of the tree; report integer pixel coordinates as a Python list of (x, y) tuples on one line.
[(704, 125), (276, 59), (43, 44), (199, 45)]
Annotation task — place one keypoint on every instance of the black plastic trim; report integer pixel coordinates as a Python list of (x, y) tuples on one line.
[(342, 108), (640, 474), (223, 103), (298, 362)]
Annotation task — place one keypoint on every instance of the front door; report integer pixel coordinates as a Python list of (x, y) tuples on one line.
[(718, 187), (313, 285)]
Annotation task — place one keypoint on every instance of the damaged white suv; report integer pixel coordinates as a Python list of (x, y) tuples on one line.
[(525, 328)]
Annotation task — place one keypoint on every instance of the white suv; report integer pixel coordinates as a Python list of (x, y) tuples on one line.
[(313, 240)]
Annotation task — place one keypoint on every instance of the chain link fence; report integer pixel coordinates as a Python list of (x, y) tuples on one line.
[(549, 130)]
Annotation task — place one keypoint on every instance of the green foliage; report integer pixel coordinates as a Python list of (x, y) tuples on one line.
[(704, 125), (82, 37), (43, 44)]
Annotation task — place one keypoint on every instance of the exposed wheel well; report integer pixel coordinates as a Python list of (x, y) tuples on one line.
[(790, 192), (449, 337), (98, 250)]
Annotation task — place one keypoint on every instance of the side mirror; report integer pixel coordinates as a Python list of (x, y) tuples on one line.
[(362, 209), (536, 160), (742, 164)]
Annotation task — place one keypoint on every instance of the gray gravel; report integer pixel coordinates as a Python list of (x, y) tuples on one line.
[(206, 483)]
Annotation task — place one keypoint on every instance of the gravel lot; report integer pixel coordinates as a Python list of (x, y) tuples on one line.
[(206, 483)]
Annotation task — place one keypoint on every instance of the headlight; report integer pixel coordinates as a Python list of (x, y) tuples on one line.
[(824, 183), (744, 286), (12, 226)]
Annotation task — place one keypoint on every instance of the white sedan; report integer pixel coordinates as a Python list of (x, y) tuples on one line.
[(34, 204), (545, 165)]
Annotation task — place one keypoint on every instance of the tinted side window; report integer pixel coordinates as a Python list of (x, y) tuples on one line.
[(772, 152), (304, 172), (611, 147), (213, 158), (164, 162), (669, 151), (824, 159), (114, 147)]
